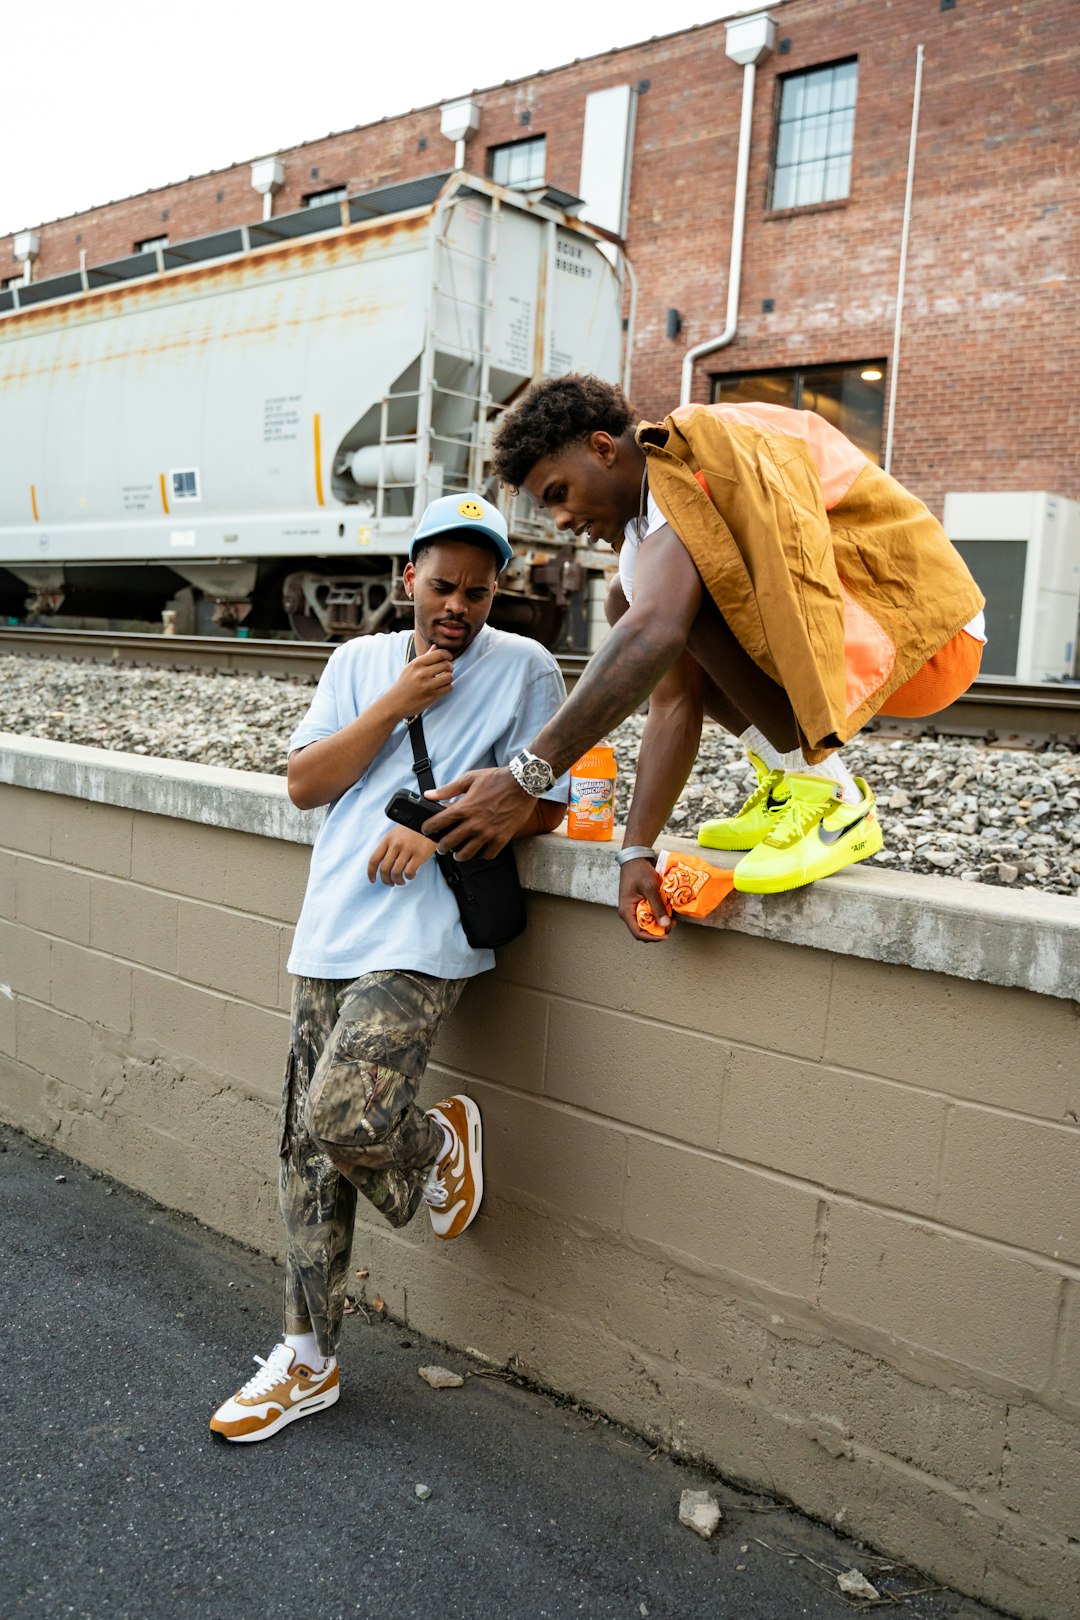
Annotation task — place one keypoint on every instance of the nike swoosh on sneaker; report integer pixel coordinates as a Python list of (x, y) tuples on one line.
[(829, 835), (298, 1394), (443, 1219)]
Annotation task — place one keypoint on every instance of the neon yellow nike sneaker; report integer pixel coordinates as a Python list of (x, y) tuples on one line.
[(758, 816), (818, 835)]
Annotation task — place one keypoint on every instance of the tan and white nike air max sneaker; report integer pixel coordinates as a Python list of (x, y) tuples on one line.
[(278, 1393), (455, 1185)]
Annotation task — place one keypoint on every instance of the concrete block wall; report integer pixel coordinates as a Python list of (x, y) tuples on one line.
[(768, 1193)]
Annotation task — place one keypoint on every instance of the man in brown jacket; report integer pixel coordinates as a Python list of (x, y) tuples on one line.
[(771, 577)]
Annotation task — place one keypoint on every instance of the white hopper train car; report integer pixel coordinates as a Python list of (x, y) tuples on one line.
[(251, 422)]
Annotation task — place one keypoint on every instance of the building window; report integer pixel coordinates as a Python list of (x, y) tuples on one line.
[(185, 484), (518, 163), (851, 397), (815, 132), (315, 199), (149, 243)]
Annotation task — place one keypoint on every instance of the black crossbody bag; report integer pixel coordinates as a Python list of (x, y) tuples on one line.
[(488, 893)]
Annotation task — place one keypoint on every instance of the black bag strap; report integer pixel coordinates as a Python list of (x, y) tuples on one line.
[(421, 758), (421, 762)]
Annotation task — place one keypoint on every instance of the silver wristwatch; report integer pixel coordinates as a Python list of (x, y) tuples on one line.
[(533, 774)]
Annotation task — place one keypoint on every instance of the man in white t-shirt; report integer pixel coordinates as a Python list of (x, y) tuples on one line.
[(380, 955)]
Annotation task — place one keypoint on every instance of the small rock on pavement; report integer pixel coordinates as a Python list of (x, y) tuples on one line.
[(701, 1512), (855, 1584), (422, 1491), (441, 1377), (59, 1178)]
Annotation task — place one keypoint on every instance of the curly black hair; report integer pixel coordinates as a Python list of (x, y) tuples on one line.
[(555, 412)]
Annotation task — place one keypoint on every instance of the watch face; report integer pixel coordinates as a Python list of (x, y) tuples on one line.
[(538, 775)]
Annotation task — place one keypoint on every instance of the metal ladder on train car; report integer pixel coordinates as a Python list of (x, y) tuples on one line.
[(442, 287)]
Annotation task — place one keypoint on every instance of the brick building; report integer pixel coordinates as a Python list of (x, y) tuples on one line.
[(990, 314)]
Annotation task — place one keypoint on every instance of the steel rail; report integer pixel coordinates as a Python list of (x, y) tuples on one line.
[(995, 710)]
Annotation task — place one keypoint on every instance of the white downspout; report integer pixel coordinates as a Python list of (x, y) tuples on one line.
[(749, 41), (904, 231)]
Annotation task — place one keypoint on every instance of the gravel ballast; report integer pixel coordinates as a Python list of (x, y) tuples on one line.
[(947, 806)]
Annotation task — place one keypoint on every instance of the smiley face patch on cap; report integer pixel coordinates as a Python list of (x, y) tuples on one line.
[(471, 509)]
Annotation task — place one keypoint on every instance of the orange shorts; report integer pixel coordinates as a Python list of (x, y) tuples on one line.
[(940, 682)]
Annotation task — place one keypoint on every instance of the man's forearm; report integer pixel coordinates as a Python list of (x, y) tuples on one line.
[(324, 770), (546, 816), (669, 747), (616, 680)]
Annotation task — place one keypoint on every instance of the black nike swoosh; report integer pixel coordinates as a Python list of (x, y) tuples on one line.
[(827, 836)]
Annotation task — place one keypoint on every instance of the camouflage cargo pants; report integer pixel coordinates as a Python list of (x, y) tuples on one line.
[(349, 1124)]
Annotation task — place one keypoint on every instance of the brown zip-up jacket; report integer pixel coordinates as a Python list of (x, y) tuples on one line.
[(838, 583)]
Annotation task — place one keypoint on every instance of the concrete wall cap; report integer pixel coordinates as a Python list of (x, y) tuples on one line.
[(941, 925)]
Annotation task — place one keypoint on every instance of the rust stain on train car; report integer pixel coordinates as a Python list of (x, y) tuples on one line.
[(241, 270)]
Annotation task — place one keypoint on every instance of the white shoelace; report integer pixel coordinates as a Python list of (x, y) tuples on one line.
[(275, 1368), (435, 1192)]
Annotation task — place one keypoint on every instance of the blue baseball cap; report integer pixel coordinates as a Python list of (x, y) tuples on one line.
[(469, 516)]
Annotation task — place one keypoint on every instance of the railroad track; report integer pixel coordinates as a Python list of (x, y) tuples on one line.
[(1002, 712)]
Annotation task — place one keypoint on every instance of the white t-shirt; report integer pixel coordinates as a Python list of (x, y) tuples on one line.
[(505, 689), (638, 528), (633, 534)]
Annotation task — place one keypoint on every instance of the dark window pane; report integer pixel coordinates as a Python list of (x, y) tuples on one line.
[(841, 394), (761, 388)]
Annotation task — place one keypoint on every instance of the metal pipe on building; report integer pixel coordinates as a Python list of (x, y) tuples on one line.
[(905, 229), (749, 40)]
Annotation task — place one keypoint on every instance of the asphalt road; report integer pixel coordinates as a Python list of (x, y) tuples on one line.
[(124, 1325)]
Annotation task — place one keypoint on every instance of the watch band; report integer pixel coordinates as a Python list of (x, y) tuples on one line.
[(634, 852)]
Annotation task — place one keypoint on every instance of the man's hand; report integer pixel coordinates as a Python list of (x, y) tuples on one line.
[(638, 881), (422, 682), (399, 856), (490, 809)]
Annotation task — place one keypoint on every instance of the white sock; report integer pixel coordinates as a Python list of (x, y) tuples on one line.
[(835, 769), (756, 741), (305, 1347)]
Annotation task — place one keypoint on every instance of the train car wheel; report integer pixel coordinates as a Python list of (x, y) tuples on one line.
[(306, 627)]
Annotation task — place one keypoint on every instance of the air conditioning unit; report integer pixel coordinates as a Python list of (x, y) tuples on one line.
[(1024, 551)]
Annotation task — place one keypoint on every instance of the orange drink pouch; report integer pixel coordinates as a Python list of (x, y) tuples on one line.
[(688, 885)]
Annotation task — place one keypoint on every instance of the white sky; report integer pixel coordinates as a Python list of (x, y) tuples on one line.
[(103, 101)]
